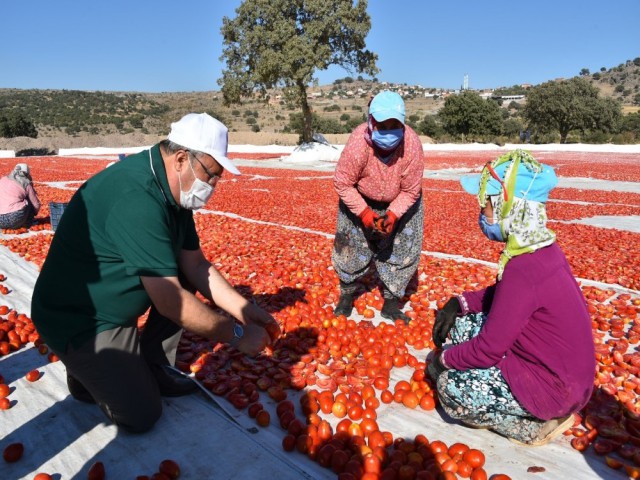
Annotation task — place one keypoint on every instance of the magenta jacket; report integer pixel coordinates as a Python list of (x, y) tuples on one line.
[(538, 333)]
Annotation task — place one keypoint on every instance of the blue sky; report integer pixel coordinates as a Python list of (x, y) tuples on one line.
[(171, 46)]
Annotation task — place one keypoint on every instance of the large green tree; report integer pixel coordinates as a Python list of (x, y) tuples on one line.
[(281, 44), (13, 125), (471, 117), (569, 105)]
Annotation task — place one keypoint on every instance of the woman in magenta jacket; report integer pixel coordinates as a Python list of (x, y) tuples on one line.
[(522, 358)]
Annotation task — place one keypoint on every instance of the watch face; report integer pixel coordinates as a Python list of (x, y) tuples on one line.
[(238, 331)]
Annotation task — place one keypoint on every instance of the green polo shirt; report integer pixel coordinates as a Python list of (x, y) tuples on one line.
[(121, 224)]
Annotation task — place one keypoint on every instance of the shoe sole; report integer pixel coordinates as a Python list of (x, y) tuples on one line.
[(391, 317), (564, 426)]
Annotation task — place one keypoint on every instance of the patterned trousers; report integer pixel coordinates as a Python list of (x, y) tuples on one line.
[(395, 256), (18, 219)]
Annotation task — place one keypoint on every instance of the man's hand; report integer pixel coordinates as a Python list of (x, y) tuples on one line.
[(252, 313), (445, 319), (369, 218), (254, 340)]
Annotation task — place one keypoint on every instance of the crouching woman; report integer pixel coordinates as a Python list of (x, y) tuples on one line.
[(522, 358)]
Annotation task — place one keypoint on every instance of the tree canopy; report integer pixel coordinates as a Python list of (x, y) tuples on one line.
[(17, 126), (282, 43), (471, 117), (569, 105)]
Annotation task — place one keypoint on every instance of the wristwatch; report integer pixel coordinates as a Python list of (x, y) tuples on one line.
[(238, 333)]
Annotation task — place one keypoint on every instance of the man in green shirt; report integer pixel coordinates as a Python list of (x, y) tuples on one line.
[(126, 242)]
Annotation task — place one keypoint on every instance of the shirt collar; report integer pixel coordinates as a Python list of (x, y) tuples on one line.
[(160, 173)]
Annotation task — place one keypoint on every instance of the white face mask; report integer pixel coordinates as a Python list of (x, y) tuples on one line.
[(198, 195)]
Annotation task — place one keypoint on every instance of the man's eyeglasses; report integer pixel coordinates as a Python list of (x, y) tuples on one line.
[(213, 178)]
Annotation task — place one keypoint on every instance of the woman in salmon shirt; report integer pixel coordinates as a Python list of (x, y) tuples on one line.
[(522, 358), (380, 213), (19, 202)]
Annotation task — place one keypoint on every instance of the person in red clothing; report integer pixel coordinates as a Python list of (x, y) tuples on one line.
[(522, 358), (380, 212), (19, 202)]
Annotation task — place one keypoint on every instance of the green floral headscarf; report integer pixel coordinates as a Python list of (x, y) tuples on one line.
[(522, 222)]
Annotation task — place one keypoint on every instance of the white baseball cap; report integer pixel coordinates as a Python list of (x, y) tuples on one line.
[(203, 133), (23, 167)]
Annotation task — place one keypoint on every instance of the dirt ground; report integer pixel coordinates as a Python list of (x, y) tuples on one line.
[(53, 144)]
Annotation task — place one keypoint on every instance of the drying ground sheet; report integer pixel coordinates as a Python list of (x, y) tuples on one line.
[(270, 233)]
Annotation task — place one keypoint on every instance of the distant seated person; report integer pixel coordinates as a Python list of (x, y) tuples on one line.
[(19, 202), (522, 358)]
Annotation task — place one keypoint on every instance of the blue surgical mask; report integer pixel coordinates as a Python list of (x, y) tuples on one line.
[(491, 230), (387, 139)]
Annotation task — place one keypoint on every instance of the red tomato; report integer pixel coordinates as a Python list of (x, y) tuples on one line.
[(338, 460), (355, 412), (381, 383), (254, 408), (402, 385), (42, 476), (343, 425), (5, 404), (478, 474), (407, 472), (159, 476), (283, 406), (303, 443), (4, 390), (475, 458), (438, 447), (368, 425), (372, 464), (410, 400), (324, 455), (286, 418), (387, 397), (33, 375), (263, 418), (289, 443), (170, 468), (339, 409), (427, 402), (13, 452), (325, 431), (457, 448), (96, 471)]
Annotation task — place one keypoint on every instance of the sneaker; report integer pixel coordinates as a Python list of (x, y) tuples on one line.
[(391, 311), (345, 305), (172, 383), (549, 431)]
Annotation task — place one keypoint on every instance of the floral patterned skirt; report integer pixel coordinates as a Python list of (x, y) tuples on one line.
[(395, 256), (481, 398)]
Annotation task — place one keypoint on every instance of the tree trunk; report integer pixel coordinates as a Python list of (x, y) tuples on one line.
[(307, 118), (563, 136)]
